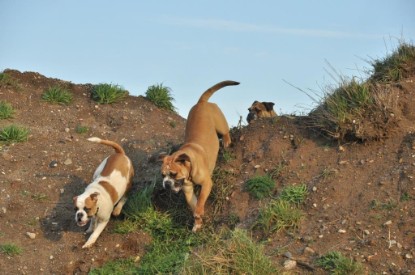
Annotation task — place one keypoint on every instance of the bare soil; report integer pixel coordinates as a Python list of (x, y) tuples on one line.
[(361, 195)]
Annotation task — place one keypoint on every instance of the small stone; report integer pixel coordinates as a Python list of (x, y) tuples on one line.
[(67, 130), (367, 232), (51, 257), (309, 251), (315, 205), (257, 166), (31, 235), (341, 148), (53, 164), (67, 162), (343, 162), (342, 231), (289, 264), (62, 190), (388, 222), (314, 189), (4, 210), (408, 256), (288, 255)]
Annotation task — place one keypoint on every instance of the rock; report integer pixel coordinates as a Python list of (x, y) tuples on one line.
[(341, 231), (408, 256), (388, 223), (289, 264), (67, 130), (67, 162), (367, 232), (309, 251), (53, 164), (31, 235), (288, 255)]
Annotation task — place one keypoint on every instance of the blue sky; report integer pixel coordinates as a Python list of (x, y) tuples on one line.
[(191, 45)]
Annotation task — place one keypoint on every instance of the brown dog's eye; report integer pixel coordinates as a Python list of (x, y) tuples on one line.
[(173, 175)]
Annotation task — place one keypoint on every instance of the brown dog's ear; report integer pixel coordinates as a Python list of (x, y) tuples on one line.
[(182, 158), (161, 156), (94, 196), (269, 105)]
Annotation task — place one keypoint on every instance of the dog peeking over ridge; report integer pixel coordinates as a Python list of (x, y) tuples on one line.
[(195, 160), (106, 194), (260, 109)]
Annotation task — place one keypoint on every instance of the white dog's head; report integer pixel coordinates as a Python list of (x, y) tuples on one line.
[(85, 208)]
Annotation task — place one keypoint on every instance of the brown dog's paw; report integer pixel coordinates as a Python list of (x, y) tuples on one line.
[(198, 223)]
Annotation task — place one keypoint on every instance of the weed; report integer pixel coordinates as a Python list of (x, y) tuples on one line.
[(57, 94), (275, 173), (397, 65), (173, 124), (336, 263), (10, 249), (388, 205), (6, 110), (294, 194), (278, 215), (108, 93), (7, 80), (39, 197), (14, 133), (123, 266), (260, 186), (79, 129), (236, 254), (161, 96), (125, 226), (227, 156), (405, 197), (327, 173)]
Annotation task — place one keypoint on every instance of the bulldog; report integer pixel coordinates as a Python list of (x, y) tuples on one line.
[(260, 109), (194, 161), (106, 193)]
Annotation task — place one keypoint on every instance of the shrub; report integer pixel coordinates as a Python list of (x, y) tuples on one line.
[(7, 80), (260, 186), (336, 263), (10, 249), (278, 215), (58, 95), (294, 194), (108, 93), (6, 110), (14, 133), (161, 96)]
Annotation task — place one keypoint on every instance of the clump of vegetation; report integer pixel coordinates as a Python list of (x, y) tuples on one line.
[(108, 93), (336, 263), (161, 96), (221, 190), (260, 186), (123, 266), (236, 254), (14, 133), (7, 80), (10, 249), (57, 94), (80, 129), (294, 194), (6, 110), (394, 67)]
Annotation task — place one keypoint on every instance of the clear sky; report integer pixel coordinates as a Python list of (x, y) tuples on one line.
[(191, 45)]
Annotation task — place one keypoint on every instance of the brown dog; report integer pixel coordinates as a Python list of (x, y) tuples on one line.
[(260, 109), (194, 162)]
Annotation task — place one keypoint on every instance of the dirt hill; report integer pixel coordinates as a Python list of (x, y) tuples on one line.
[(361, 195)]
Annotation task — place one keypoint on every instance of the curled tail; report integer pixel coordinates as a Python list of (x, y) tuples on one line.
[(209, 92), (116, 146)]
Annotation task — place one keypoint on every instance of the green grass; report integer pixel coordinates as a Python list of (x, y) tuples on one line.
[(7, 80), (294, 194), (161, 96), (260, 186), (6, 110), (336, 263), (235, 254), (14, 133), (278, 215), (394, 67), (10, 249), (79, 129), (58, 95), (123, 266), (227, 156), (221, 190), (108, 93)]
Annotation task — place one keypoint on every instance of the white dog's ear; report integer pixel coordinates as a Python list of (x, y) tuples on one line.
[(94, 196)]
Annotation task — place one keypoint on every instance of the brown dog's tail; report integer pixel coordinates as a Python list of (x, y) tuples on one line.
[(116, 146), (209, 92)]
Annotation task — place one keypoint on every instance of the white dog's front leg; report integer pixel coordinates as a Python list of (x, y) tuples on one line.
[(94, 236), (92, 225)]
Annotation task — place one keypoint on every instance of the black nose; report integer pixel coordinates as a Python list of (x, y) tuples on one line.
[(79, 216)]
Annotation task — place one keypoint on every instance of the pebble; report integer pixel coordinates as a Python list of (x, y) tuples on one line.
[(257, 166), (51, 257), (367, 232), (342, 231), (31, 235), (4, 210), (408, 256), (53, 164), (288, 255), (67, 162), (309, 251), (388, 222), (314, 189), (289, 264), (67, 130)]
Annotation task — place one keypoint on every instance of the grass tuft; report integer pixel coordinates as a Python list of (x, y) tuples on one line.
[(14, 133), (260, 186), (294, 194), (336, 263), (108, 93), (6, 110), (161, 96), (79, 129), (7, 80), (57, 94), (10, 249)]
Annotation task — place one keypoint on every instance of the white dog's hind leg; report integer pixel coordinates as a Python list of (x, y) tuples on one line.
[(118, 207)]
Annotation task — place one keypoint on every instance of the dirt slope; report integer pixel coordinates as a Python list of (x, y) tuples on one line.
[(361, 197)]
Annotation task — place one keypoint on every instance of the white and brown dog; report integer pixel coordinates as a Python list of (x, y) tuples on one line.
[(195, 160), (260, 109), (106, 194)]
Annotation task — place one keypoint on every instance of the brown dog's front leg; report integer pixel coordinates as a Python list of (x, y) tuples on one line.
[(200, 206)]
